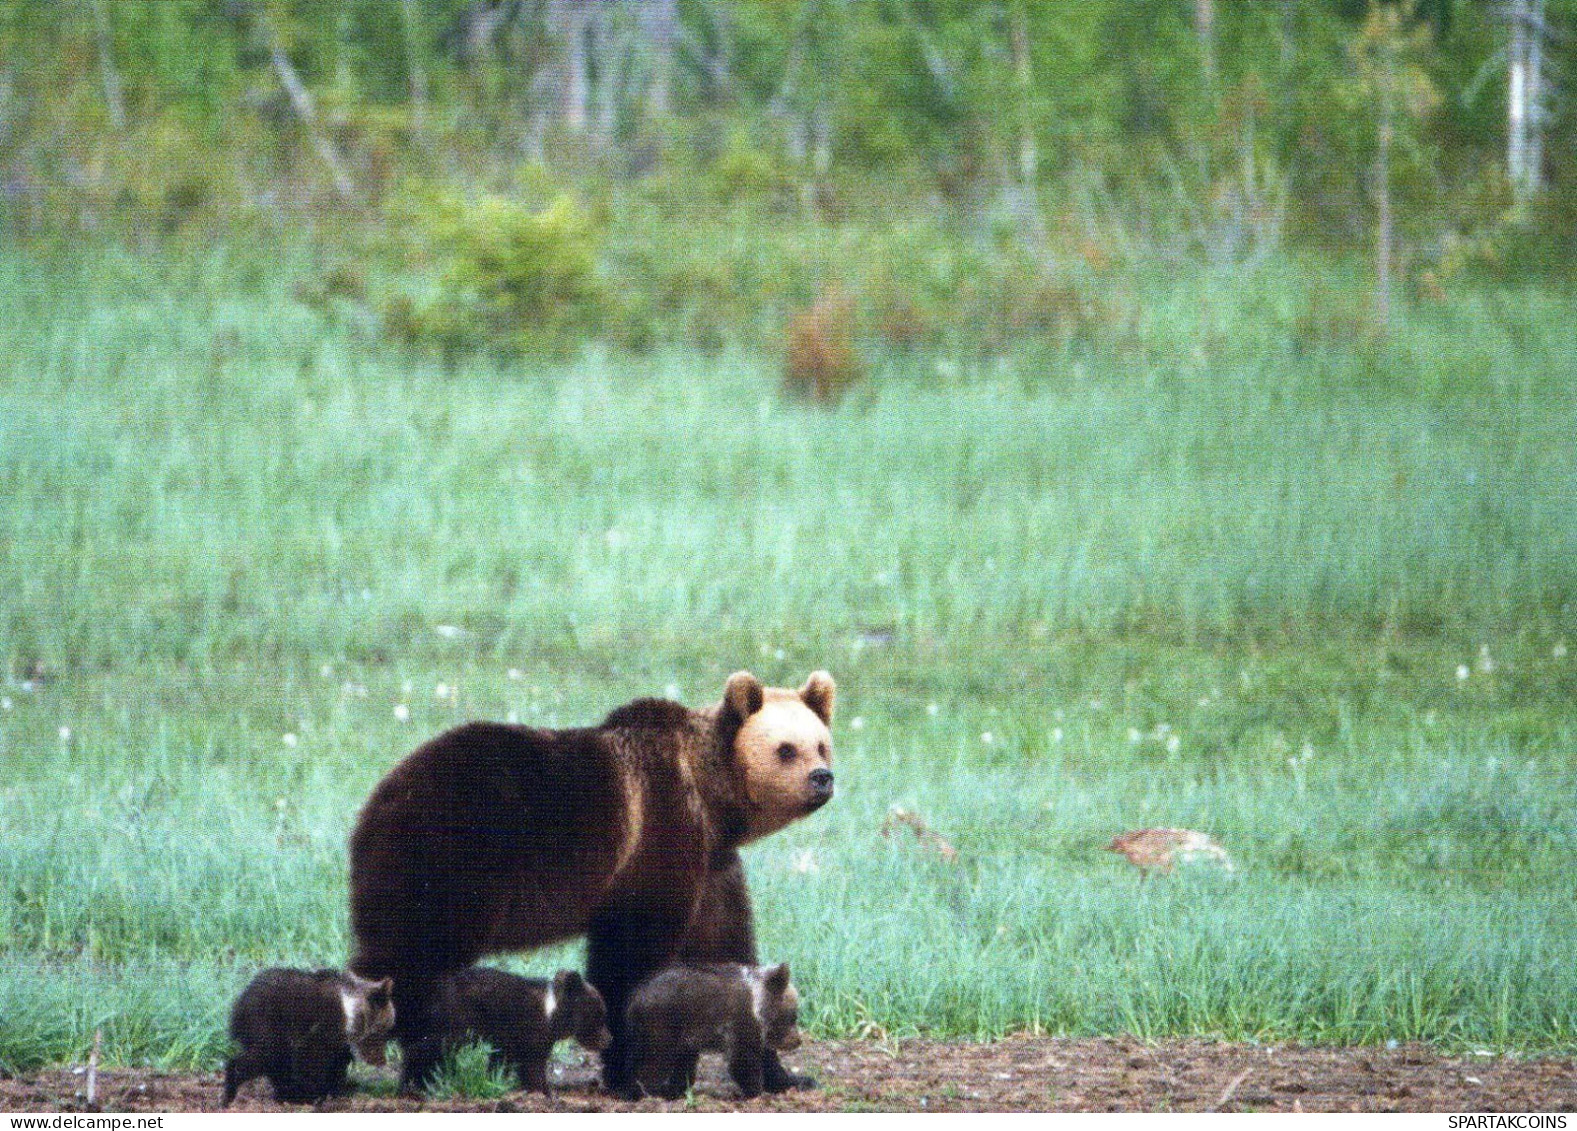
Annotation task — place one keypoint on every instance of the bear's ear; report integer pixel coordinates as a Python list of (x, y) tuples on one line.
[(777, 979), (742, 694), (819, 693), (567, 983)]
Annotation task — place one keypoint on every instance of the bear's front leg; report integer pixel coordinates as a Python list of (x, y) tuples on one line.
[(723, 930), (622, 951)]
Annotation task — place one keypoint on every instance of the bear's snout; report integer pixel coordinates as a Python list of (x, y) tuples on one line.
[(821, 783)]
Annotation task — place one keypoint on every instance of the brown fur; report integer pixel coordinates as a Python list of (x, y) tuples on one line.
[(510, 1013), (686, 1010), (295, 1027), (493, 838), (821, 361)]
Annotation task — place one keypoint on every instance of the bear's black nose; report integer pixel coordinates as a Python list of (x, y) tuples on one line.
[(821, 780)]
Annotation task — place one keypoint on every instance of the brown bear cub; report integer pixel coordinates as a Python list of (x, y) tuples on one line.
[(742, 1012), (522, 1018), (493, 838), (298, 1027)]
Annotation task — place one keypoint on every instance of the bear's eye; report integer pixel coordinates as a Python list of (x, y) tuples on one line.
[(822, 750), (786, 752)]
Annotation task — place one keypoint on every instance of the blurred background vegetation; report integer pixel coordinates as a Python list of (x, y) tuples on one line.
[(523, 174)]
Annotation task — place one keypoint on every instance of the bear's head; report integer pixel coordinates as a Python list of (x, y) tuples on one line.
[(775, 1003), (782, 748), (369, 1012), (576, 1009)]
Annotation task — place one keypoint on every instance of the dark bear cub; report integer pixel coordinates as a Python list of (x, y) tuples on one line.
[(740, 1011), (298, 1027), (522, 1018)]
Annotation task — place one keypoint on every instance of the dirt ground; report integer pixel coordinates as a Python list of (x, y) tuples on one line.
[(1017, 1074)]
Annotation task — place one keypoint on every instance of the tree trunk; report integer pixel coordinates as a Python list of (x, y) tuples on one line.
[(1028, 150), (1525, 99), (660, 25), (1205, 30), (567, 21), (113, 96), (1382, 177), (1024, 79), (301, 102), (414, 67)]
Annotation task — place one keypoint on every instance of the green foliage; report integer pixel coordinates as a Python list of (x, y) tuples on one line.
[(849, 111), (509, 276), (467, 1073)]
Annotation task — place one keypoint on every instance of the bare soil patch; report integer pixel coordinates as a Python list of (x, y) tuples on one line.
[(1016, 1074)]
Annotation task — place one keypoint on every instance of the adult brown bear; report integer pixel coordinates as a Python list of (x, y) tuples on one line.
[(494, 838)]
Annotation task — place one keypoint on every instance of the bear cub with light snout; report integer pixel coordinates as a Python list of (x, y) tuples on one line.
[(740, 1011), (522, 1018), (298, 1028)]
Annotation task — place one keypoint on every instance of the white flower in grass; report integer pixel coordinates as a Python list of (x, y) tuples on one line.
[(1486, 662), (1430, 718), (1133, 734), (402, 712), (987, 737), (672, 691), (5, 702), (514, 673), (930, 708), (288, 739), (65, 734), (442, 691), (408, 686), (512, 718), (1095, 704), (1173, 744), (857, 722), (1462, 673), (804, 862), (1204, 700), (778, 653), (1559, 651), (1056, 734), (449, 631), (326, 671)]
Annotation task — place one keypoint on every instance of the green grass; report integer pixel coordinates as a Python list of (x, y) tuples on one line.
[(468, 1073), (238, 539)]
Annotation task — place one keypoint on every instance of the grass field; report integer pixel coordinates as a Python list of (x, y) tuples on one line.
[(1313, 599)]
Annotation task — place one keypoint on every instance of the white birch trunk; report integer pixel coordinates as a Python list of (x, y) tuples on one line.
[(1525, 99), (659, 22), (113, 96), (301, 101), (413, 62)]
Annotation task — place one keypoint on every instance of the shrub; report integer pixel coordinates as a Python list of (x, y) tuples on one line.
[(509, 277), (822, 361)]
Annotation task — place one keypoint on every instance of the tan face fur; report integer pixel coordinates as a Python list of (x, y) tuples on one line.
[(784, 747), (369, 1014)]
